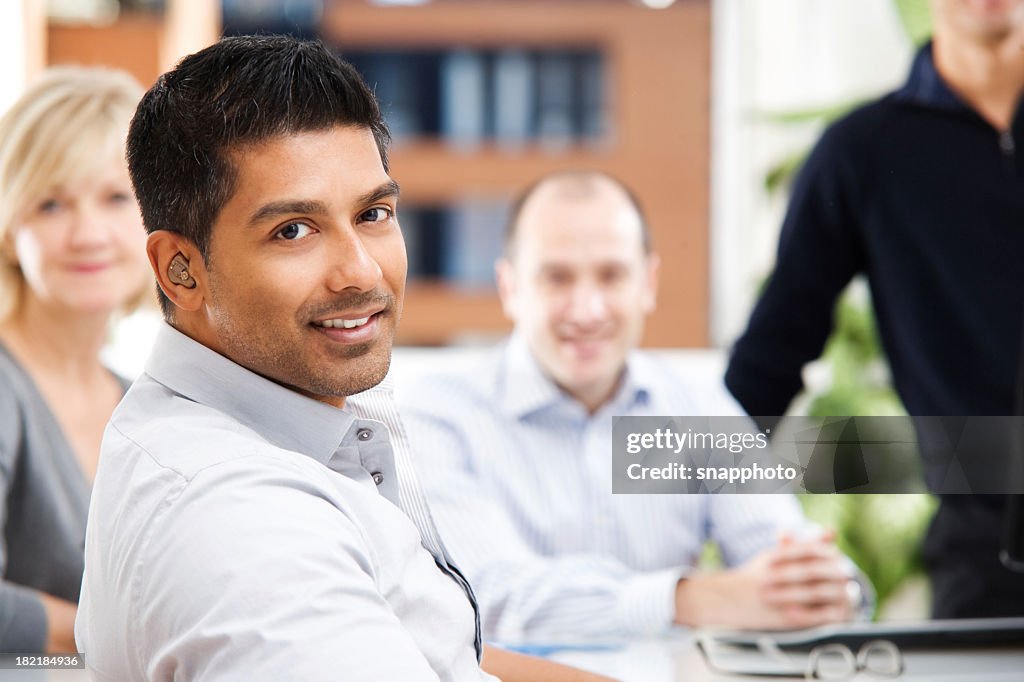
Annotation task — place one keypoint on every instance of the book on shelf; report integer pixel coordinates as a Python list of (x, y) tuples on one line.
[(555, 99), (511, 96), (463, 94), (475, 232)]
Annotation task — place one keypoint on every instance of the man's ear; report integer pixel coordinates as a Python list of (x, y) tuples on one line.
[(505, 276), (653, 269), (179, 269)]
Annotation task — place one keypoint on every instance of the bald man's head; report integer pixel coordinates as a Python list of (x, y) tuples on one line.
[(578, 280), (574, 185)]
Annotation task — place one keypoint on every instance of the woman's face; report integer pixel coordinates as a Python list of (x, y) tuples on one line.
[(81, 247)]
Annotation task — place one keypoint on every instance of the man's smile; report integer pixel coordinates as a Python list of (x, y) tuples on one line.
[(350, 329)]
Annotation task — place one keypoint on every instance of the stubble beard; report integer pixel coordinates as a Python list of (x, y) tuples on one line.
[(347, 370), (342, 371)]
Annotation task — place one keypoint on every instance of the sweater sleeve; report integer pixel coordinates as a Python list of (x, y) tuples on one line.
[(22, 618), (820, 250)]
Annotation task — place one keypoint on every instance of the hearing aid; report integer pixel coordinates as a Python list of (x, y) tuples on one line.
[(178, 273)]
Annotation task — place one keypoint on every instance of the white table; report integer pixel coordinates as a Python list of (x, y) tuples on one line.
[(675, 658)]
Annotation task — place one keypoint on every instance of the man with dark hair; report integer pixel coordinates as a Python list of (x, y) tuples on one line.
[(252, 517), (240, 94), (922, 191), (516, 459)]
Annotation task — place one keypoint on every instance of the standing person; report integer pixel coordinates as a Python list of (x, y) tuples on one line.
[(516, 452), (255, 514), (922, 191), (71, 257)]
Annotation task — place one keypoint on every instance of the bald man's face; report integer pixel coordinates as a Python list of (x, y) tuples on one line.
[(579, 286)]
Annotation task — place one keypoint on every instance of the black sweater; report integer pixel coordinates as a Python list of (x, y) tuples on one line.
[(924, 196)]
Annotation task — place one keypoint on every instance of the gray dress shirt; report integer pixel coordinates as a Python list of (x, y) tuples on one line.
[(239, 530)]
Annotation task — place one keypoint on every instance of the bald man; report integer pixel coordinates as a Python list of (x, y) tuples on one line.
[(515, 453)]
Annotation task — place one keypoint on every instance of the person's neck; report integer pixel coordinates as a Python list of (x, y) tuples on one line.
[(989, 76), (596, 397), (64, 343)]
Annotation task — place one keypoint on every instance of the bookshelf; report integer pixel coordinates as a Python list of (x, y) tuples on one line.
[(656, 66), (143, 43), (653, 130)]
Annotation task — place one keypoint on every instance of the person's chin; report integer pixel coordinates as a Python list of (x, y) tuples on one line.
[(585, 352), (366, 371)]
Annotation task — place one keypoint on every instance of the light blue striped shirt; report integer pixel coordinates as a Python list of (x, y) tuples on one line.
[(241, 531), (518, 476)]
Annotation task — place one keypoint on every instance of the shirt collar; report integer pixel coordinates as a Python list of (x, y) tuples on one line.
[(285, 418), (925, 85), (525, 388)]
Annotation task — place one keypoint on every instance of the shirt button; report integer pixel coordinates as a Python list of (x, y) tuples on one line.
[(364, 434), (378, 477)]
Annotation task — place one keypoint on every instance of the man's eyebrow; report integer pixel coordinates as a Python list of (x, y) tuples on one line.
[(312, 207), (287, 207), (386, 190)]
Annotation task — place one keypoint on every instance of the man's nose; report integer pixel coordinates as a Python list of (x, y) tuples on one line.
[(352, 264), (588, 304)]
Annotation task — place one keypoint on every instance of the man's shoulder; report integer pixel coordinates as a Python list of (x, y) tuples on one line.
[(169, 464), (155, 428), (861, 126)]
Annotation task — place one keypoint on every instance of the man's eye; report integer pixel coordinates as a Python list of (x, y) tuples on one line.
[(612, 276), (293, 231), (557, 277), (376, 214)]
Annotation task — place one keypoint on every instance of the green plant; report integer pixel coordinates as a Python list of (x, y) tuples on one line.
[(880, 533)]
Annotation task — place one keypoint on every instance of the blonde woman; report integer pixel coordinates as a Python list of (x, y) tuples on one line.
[(72, 255)]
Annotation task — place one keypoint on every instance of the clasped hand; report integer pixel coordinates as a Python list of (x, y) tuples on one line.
[(796, 584)]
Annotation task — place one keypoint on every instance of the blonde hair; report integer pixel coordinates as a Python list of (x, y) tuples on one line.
[(69, 119)]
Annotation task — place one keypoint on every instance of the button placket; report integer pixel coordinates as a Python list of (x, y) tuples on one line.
[(376, 456)]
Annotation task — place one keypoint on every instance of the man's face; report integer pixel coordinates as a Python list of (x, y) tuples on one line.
[(307, 265), (579, 286), (977, 21)]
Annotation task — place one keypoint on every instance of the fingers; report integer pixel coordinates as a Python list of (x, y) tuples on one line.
[(821, 593), (787, 537), (804, 550), (806, 571)]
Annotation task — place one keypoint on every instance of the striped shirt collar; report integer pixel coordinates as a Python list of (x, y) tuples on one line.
[(524, 388), (284, 417)]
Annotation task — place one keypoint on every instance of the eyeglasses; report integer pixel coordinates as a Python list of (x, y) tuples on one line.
[(836, 661)]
